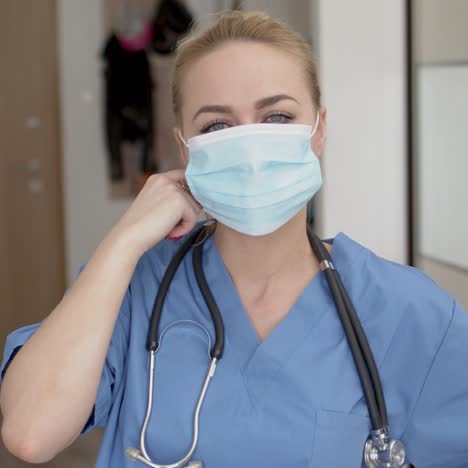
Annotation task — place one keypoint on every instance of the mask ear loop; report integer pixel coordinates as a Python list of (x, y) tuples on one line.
[(316, 124), (182, 138)]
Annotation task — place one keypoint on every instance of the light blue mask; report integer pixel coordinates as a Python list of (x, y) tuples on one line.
[(254, 178)]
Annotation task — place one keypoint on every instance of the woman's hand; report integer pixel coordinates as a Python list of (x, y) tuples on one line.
[(161, 210)]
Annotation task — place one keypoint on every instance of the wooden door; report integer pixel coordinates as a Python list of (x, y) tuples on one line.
[(32, 271), (32, 278)]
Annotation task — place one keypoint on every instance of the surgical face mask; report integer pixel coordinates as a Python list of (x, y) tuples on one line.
[(254, 178)]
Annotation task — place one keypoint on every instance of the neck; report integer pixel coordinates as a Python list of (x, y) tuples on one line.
[(258, 258)]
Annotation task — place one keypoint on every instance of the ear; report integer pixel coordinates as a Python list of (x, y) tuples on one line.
[(320, 137), (183, 150)]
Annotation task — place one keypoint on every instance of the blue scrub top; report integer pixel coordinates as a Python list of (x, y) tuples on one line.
[(295, 399)]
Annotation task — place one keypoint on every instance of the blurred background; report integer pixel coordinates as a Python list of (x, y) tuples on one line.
[(85, 118)]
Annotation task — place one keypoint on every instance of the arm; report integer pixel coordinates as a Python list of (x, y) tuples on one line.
[(51, 384)]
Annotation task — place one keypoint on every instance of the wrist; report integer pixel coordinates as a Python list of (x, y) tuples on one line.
[(121, 244)]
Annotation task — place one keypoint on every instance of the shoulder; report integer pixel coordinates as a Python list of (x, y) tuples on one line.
[(405, 314), (413, 326), (412, 292)]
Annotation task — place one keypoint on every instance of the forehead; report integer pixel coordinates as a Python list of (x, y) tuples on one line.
[(240, 72)]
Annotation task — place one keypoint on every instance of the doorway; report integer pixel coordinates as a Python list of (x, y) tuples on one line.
[(32, 277)]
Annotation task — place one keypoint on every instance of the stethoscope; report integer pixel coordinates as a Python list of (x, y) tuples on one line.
[(379, 450)]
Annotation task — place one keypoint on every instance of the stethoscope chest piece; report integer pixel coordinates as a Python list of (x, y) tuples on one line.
[(380, 451)]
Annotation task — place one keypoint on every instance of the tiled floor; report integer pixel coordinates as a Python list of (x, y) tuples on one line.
[(82, 454)]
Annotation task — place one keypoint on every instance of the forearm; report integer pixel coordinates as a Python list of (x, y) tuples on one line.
[(51, 385)]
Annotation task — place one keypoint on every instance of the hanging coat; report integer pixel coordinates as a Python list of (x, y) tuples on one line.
[(128, 105)]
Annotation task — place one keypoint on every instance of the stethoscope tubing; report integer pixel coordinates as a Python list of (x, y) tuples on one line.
[(217, 350), (368, 356), (152, 341), (357, 341)]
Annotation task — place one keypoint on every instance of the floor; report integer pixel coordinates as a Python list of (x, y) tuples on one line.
[(82, 454)]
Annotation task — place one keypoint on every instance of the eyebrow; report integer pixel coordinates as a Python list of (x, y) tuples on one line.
[(260, 104)]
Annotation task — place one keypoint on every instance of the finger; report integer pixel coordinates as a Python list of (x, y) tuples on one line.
[(182, 185), (183, 228), (178, 177), (185, 225), (189, 217), (194, 203)]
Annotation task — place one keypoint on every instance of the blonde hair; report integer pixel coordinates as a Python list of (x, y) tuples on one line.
[(238, 25)]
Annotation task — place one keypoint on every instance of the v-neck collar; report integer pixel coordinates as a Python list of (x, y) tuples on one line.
[(240, 336)]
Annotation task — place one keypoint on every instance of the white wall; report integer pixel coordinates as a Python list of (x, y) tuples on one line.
[(295, 13), (440, 37), (361, 55), (439, 31), (442, 142), (89, 213)]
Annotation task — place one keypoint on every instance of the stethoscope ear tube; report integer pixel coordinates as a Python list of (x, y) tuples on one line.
[(359, 346), (367, 353), (152, 339), (217, 350), (353, 343)]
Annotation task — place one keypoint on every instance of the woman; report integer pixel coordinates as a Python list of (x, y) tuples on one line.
[(286, 392)]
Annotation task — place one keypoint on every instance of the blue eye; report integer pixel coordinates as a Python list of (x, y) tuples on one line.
[(278, 118), (213, 127)]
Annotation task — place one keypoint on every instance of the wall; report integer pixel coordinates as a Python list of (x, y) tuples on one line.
[(440, 31), (440, 37), (361, 48), (89, 213), (295, 13)]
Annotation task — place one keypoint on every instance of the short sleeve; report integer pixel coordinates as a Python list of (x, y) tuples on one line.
[(13, 344), (112, 373), (437, 432)]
